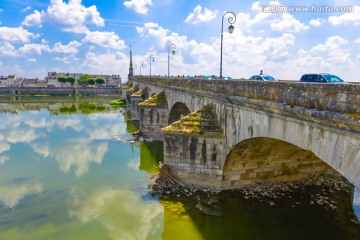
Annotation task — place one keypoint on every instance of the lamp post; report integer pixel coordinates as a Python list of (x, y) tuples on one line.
[(152, 59), (173, 48), (231, 20)]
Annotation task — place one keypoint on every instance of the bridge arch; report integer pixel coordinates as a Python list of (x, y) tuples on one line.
[(268, 159), (177, 111)]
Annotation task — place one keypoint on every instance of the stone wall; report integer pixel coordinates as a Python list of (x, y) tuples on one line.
[(194, 159), (343, 98), (152, 119), (60, 91)]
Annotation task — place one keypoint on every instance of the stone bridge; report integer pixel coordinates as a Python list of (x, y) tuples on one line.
[(226, 134)]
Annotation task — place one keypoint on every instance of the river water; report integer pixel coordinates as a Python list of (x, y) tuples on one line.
[(68, 170)]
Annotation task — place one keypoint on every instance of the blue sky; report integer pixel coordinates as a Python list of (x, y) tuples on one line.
[(94, 36)]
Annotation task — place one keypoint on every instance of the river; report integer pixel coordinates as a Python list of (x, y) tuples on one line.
[(69, 170)]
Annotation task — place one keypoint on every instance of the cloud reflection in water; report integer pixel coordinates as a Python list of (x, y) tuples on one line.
[(121, 212)]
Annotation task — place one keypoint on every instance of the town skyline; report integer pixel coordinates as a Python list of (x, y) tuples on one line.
[(37, 37)]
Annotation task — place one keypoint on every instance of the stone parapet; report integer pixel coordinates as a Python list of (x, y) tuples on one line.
[(344, 98)]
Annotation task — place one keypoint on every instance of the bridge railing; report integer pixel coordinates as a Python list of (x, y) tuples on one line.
[(343, 98)]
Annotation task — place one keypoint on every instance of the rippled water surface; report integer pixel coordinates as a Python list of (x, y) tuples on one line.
[(68, 170)]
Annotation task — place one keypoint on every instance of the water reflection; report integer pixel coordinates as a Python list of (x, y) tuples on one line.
[(11, 194), (79, 155), (151, 153), (229, 215), (76, 176), (122, 212)]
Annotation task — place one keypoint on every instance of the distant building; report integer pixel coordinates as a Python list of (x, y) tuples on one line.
[(30, 82), (10, 81), (52, 77)]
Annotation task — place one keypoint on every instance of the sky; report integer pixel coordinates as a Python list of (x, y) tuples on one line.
[(94, 36)]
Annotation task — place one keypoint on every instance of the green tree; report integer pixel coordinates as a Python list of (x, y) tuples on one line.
[(71, 80), (100, 80), (91, 81), (62, 79), (82, 81), (85, 76)]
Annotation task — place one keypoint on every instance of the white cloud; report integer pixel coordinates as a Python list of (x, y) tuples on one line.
[(287, 23), (316, 22), (73, 16), (139, 6), (65, 60), (6, 49), (33, 19), (4, 146), (26, 9), (79, 155), (11, 195), (332, 48), (281, 22), (3, 159), (71, 47), (151, 29), (15, 34), (104, 39), (357, 40), (22, 135), (34, 48), (197, 17), (347, 18), (42, 149), (105, 205), (32, 60)]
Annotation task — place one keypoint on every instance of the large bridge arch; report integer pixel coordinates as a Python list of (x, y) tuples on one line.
[(178, 110), (267, 159), (336, 147)]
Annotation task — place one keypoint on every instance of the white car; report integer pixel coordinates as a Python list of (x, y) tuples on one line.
[(262, 77)]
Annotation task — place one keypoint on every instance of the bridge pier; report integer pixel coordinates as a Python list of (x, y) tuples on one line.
[(127, 91), (193, 148), (153, 114)]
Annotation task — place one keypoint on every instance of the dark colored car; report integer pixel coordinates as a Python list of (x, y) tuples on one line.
[(321, 78), (262, 77)]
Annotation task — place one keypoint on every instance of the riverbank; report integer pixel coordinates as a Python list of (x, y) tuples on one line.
[(60, 91), (321, 190)]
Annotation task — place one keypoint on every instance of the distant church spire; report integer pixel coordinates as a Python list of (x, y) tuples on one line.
[(131, 69)]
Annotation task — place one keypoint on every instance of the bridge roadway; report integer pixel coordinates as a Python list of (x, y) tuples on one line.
[(270, 131)]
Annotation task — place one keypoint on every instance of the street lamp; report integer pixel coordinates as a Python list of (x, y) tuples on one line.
[(173, 48), (231, 20), (152, 59)]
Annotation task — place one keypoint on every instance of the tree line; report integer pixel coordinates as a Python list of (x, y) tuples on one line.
[(85, 79)]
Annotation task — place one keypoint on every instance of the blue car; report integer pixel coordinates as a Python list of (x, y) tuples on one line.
[(321, 78)]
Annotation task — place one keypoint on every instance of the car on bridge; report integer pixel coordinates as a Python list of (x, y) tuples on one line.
[(209, 77), (321, 78), (262, 77)]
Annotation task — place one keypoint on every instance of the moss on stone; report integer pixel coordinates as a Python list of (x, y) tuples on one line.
[(138, 93), (198, 122), (156, 100), (354, 115), (132, 89)]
